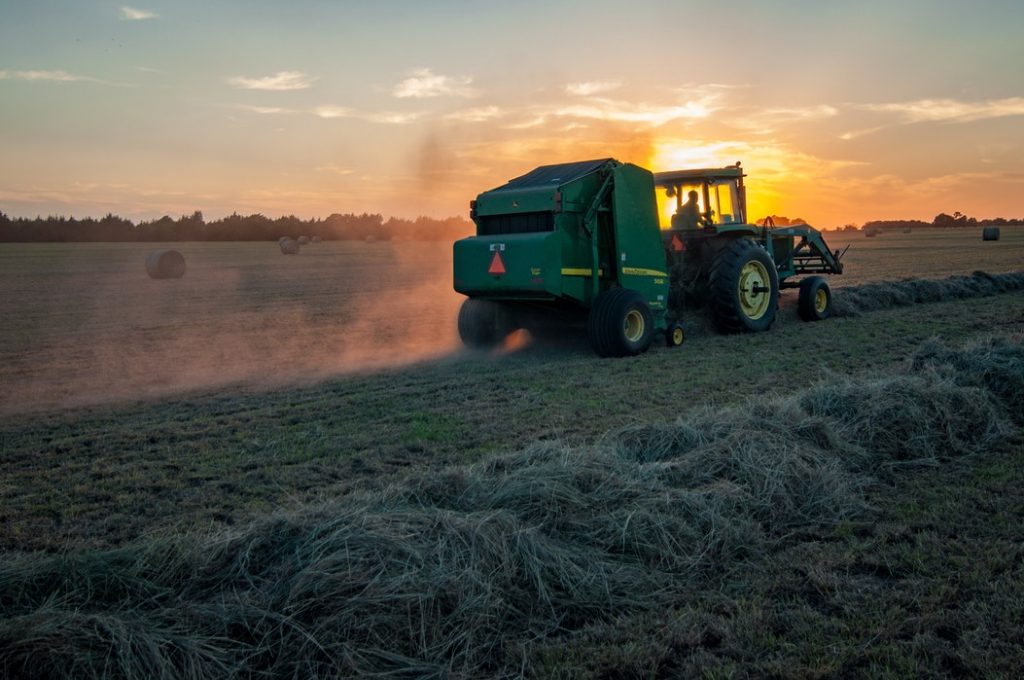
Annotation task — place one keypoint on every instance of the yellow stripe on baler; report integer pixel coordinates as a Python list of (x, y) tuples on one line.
[(571, 271), (637, 271)]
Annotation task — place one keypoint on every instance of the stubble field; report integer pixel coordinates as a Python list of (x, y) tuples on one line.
[(260, 384)]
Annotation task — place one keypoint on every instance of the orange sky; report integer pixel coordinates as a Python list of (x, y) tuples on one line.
[(840, 112)]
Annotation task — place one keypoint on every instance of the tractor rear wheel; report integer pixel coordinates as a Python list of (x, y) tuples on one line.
[(744, 287), (815, 302), (482, 323), (620, 323)]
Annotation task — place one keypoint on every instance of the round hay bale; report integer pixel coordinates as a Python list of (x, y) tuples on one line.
[(165, 264), (315, 239), (990, 234), (289, 247), (303, 240)]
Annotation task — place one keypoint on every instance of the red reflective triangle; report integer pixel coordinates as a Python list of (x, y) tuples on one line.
[(677, 244), (497, 265)]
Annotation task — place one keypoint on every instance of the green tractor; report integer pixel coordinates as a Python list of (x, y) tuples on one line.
[(623, 251)]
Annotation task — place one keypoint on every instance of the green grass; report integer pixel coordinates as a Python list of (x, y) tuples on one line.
[(736, 540), (930, 583), (103, 475), (935, 592)]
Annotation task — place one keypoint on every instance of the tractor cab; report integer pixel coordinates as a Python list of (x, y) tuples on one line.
[(701, 199)]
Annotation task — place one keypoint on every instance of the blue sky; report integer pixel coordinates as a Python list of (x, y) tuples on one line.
[(840, 111)]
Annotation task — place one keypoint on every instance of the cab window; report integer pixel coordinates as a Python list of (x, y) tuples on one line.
[(723, 202), (670, 199)]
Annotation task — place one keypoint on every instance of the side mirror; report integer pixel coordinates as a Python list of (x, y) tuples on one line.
[(670, 192)]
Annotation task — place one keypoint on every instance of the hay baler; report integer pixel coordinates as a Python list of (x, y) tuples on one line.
[(596, 241)]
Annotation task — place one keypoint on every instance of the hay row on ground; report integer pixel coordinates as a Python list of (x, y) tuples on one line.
[(454, 573), (885, 294), (868, 297)]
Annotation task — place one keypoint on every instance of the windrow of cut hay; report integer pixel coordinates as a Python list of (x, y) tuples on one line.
[(455, 573), (885, 294), (868, 297)]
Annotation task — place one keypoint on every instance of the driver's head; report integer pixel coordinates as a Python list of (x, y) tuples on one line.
[(692, 196)]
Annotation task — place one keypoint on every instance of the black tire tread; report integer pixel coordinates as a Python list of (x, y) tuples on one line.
[(603, 325), (480, 323), (725, 270), (805, 302)]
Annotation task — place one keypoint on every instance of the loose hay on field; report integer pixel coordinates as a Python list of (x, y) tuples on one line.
[(455, 573), (885, 294), (995, 365), (868, 297)]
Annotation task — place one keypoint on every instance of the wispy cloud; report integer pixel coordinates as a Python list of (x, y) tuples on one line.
[(475, 115), (766, 121), (804, 113), (589, 88), (280, 81), (266, 110), (854, 134), (425, 83), (629, 112), (383, 117), (391, 118), (133, 14), (54, 76), (951, 110), (528, 123), (334, 112)]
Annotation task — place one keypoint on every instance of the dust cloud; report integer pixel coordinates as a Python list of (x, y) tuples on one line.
[(89, 327)]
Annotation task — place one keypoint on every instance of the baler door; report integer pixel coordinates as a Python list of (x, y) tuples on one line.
[(514, 266), (640, 256)]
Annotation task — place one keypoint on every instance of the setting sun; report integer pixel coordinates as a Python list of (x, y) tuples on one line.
[(313, 110)]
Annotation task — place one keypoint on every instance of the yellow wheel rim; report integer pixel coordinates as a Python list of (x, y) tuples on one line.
[(677, 336), (633, 325), (820, 300), (754, 289)]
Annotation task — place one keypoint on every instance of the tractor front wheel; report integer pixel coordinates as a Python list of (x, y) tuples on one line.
[(620, 323), (815, 302), (482, 323), (744, 287), (675, 335)]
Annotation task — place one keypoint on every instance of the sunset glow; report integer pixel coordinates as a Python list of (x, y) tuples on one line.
[(411, 108)]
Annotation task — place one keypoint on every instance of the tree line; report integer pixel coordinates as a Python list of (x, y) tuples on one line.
[(234, 227), (348, 226), (941, 221)]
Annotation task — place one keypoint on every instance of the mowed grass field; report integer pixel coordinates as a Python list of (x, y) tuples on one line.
[(261, 383), (85, 324)]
